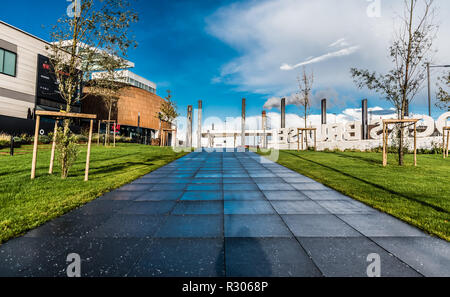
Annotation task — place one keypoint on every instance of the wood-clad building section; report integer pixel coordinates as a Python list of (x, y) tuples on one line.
[(135, 101), (136, 108)]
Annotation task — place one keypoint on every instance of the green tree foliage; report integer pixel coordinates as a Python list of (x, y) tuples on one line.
[(409, 50), (87, 42)]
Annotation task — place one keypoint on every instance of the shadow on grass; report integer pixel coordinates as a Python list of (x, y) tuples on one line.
[(436, 208), (367, 160)]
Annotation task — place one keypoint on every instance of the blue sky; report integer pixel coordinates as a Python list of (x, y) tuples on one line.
[(221, 51)]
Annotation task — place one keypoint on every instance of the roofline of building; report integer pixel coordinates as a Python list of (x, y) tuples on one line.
[(24, 32)]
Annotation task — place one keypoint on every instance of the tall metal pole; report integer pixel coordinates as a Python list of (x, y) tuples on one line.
[(243, 123), (264, 126), (324, 111), (199, 128), (189, 127), (283, 113), (365, 120)]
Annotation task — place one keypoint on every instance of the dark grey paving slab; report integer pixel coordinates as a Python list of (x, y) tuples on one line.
[(243, 195), (30, 256), (235, 175), (99, 207), (100, 257), (137, 187), (198, 226), (128, 226), (285, 195), (181, 257), (255, 226), (259, 257), (430, 256), (268, 180), (209, 175), (247, 207), (123, 195), (161, 196), (169, 187), (198, 208), (204, 187), (346, 207), (309, 186), (319, 226), (381, 225), (275, 187), (244, 180), (69, 226), (347, 257), (173, 180), (298, 207), (240, 187), (149, 208), (206, 181), (202, 196)]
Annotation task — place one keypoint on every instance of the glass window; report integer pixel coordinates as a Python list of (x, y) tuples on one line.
[(8, 62)]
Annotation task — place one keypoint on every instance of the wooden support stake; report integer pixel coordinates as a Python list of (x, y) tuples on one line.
[(302, 140), (98, 140), (443, 144), (52, 156), (448, 140), (415, 144), (298, 140), (86, 175), (35, 148), (114, 134), (315, 140), (384, 146)]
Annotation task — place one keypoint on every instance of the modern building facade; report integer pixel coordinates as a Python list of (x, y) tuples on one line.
[(19, 53), (27, 84)]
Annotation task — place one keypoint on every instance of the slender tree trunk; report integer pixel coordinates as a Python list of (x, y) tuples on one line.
[(306, 125), (160, 133), (109, 121), (405, 86)]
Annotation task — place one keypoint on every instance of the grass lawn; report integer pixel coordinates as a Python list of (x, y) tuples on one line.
[(26, 204), (419, 196)]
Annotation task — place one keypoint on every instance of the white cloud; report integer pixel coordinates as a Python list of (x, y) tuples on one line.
[(270, 33), (340, 53), (339, 43), (332, 96)]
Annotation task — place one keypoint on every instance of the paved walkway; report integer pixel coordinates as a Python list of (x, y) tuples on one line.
[(225, 214)]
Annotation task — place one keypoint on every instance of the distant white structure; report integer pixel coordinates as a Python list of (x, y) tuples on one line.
[(342, 136), (131, 78), (331, 136)]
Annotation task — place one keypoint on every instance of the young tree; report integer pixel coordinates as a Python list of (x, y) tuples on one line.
[(409, 50), (443, 96), (305, 83), (79, 41), (107, 85), (168, 113)]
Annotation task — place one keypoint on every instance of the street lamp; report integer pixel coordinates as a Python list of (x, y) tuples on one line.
[(429, 83)]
